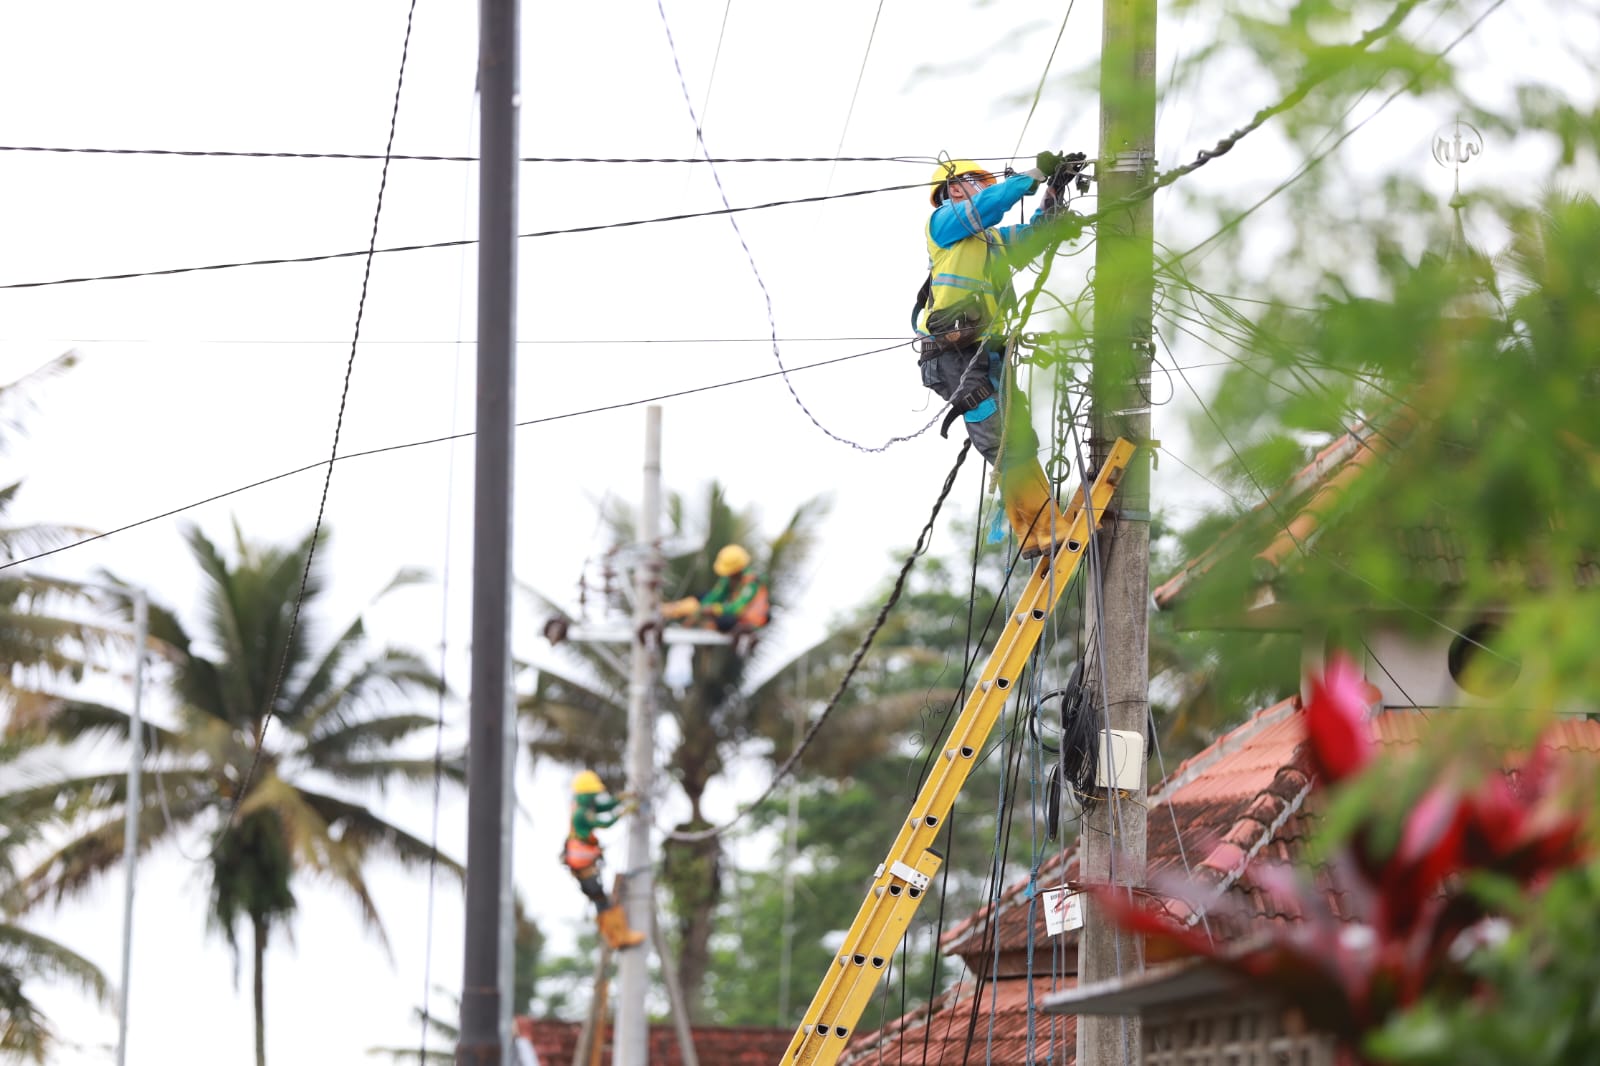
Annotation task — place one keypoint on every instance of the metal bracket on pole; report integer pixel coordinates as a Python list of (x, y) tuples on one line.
[(1136, 162), (623, 633)]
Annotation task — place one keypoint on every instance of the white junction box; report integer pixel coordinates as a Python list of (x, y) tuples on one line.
[(1121, 763)]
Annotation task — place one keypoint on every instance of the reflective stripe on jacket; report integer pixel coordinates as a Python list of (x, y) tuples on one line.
[(968, 251), (963, 272), (580, 853)]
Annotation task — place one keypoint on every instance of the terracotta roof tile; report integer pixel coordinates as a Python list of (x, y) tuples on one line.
[(556, 1041), (1001, 1029)]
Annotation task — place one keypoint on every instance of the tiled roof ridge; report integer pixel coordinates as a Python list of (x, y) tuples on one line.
[(1258, 826), (1225, 745), (1269, 811), (1308, 524), (1353, 443)]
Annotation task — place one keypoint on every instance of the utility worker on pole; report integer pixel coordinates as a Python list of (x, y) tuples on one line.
[(593, 808), (738, 603), (960, 315)]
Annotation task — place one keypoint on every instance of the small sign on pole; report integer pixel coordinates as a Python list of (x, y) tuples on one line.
[(1062, 911)]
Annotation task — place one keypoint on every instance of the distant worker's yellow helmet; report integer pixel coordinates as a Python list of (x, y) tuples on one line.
[(730, 560), (587, 783), (954, 168)]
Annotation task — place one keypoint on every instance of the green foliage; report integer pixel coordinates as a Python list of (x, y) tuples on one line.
[(1363, 303)]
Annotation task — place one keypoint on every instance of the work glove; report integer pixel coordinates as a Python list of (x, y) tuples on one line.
[(1047, 162)]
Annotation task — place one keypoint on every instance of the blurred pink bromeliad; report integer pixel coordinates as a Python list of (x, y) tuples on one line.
[(1403, 911)]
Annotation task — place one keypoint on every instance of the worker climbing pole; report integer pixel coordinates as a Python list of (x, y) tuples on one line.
[(961, 316), (594, 808)]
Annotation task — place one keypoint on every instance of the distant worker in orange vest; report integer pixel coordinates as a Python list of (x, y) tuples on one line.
[(738, 603), (593, 808)]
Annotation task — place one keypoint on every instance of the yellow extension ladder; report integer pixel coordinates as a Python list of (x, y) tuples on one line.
[(903, 878)]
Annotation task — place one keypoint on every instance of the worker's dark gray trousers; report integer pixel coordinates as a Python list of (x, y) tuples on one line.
[(591, 887), (956, 373)]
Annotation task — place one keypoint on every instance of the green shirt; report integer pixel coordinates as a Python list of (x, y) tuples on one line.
[(591, 812), (733, 600)]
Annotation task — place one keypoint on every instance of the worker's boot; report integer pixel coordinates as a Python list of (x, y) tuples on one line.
[(1031, 507), (614, 928)]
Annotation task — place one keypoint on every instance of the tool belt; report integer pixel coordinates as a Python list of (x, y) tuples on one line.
[(953, 329)]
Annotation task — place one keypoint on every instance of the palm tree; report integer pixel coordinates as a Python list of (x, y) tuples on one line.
[(36, 643), (40, 648), (277, 800), (580, 718), (25, 1033)]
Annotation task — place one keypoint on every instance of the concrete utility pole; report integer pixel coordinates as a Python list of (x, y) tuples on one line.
[(1112, 841), (486, 1006), (632, 1039), (133, 805)]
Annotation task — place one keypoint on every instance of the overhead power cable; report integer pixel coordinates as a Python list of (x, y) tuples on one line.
[(1295, 96), (453, 244), (856, 92), (333, 451), (220, 154), (1038, 90), (431, 440), (750, 257), (1166, 178), (1410, 84), (452, 341)]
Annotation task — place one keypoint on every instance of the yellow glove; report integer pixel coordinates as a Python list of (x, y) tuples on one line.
[(687, 607)]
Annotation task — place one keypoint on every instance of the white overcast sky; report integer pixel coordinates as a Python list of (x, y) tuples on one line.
[(194, 384)]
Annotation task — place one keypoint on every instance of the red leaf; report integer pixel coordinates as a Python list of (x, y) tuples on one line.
[(1337, 727)]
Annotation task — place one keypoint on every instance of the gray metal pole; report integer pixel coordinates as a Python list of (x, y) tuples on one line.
[(485, 1038), (1113, 835), (632, 1047), (130, 828)]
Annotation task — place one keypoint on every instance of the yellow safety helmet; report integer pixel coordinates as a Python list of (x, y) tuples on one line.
[(954, 168), (587, 783), (730, 560)]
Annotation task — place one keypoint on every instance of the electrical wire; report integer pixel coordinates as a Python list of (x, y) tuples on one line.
[(444, 633), (856, 92), (726, 210), (750, 257), (1308, 551), (453, 341), (214, 154), (338, 426), (716, 56), (1316, 159), (418, 444), (1038, 90)]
